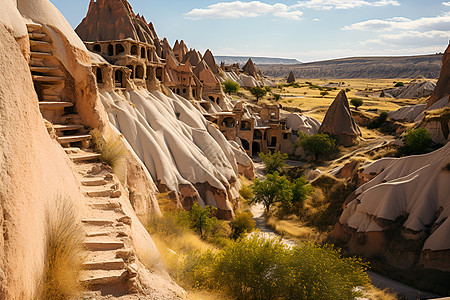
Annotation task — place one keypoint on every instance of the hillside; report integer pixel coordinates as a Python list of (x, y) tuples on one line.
[(361, 67), (241, 60)]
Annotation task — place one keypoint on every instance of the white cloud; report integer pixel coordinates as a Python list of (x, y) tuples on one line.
[(316, 20), (410, 39), (441, 23), (446, 3), (239, 9), (344, 4)]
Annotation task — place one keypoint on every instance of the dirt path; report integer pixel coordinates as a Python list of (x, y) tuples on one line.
[(379, 281)]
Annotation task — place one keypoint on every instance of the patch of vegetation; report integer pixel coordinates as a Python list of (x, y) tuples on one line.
[(399, 84), (231, 87), (258, 92), (63, 254), (254, 268), (112, 151), (416, 141), (243, 223), (320, 145), (324, 93), (246, 193), (277, 97), (273, 161), (357, 102), (379, 121)]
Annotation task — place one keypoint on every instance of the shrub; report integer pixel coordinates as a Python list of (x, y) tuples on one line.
[(202, 220), (273, 162), (231, 87), (277, 97), (63, 255), (347, 90), (324, 93), (416, 141), (319, 145), (379, 121), (246, 193), (357, 102), (301, 189), (274, 188), (398, 84), (243, 223), (268, 89), (112, 151), (258, 92), (254, 268)]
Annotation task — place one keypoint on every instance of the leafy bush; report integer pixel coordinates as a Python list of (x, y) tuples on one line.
[(357, 102), (301, 189), (258, 92), (253, 268), (268, 89), (277, 97), (416, 141), (246, 193), (201, 220), (273, 161), (63, 256), (324, 93), (319, 145), (398, 84), (231, 87), (243, 223), (379, 121), (274, 188)]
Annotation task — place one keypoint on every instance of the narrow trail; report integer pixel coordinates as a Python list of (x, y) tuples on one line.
[(403, 291)]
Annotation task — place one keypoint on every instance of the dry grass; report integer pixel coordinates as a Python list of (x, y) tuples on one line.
[(206, 295), (294, 229), (112, 152), (373, 293), (64, 254)]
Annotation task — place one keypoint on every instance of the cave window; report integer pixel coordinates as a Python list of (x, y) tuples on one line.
[(211, 98), (139, 72), (228, 122), (119, 49), (285, 136), (257, 135), (184, 91), (118, 77), (110, 50), (97, 48), (246, 126), (159, 73), (245, 144), (132, 71), (134, 50), (99, 75), (149, 55), (142, 52)]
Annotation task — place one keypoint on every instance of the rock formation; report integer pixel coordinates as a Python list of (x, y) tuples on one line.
[(211, 62), (417, 88), (291, 77), (405, 203), (250, 69), (46, 75), (443, 84), (339, 122)]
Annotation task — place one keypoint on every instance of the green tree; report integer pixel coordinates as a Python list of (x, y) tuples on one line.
[(398, 84), (273, 161), (416, 141), (274, 188), (276, 96), (357, 102), (202, 220), (301, 189), (231, 87), (258, 92), (319, 145)]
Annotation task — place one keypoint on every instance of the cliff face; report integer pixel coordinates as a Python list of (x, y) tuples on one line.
[(443, 85)]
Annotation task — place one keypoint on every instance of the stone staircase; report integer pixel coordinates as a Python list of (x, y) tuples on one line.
[(109, 267)]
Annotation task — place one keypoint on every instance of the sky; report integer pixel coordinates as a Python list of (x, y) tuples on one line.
[(307, 30)]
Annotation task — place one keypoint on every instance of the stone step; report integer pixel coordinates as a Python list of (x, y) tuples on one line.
[(74, 138), (43, 69), (44, 78), (85, 157), (115, 264), (37, 36), (93, 182), (60, 127), (40, 43), (104, 245), (50, 98), (103, 278), (100, 193), (33, 27), (54, 105), (110, 205), (97, 222), (38, 54), (97, 234), (72, 150)]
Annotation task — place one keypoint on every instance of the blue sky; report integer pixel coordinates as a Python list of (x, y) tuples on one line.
[(307, 30)]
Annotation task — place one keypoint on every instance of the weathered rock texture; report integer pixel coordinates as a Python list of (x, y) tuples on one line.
[(417, 88), (443, 85), (291, 77), (339, 122), (401, 214)]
